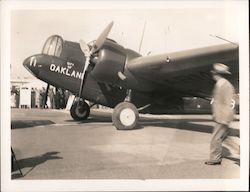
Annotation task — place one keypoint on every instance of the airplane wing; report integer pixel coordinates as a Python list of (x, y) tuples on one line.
[(186, 71)]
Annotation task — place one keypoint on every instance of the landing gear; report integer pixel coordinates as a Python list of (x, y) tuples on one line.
[(79, 111), (125, 115)]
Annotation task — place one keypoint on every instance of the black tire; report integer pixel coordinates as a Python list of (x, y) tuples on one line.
[(125, 116), (79, 112)]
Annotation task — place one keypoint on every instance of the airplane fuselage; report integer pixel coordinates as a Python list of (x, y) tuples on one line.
[(113, 70), (66, 72)]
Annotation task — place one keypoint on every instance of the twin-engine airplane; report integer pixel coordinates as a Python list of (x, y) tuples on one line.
[(106, 73)]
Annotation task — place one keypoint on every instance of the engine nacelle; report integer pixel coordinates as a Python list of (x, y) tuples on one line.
[(111, 60)]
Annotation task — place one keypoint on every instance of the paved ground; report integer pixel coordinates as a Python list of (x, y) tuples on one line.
[(50, 145)]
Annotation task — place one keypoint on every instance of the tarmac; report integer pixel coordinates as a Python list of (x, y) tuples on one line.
[(48, 144)]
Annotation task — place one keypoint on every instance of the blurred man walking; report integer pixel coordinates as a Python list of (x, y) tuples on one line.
[(223, 111)]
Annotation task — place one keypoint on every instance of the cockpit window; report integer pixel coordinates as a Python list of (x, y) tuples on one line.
[(53, 46)]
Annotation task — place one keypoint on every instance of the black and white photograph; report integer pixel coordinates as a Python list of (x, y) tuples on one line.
[(125, 95)]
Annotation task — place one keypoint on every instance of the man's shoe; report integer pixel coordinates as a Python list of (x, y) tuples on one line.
[(213, 162)]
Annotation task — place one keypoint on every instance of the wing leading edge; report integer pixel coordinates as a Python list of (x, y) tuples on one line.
[(186, 71)]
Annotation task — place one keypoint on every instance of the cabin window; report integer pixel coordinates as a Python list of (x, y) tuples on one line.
[(53, 46)]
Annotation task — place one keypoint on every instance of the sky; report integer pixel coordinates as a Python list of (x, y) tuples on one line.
[(166, 29)]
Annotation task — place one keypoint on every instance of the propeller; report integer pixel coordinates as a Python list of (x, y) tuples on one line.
[(88, 52)]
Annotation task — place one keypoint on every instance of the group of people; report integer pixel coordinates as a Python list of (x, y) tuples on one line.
[(56, 98)]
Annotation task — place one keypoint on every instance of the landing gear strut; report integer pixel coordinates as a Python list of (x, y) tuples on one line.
[(125, 115), (79, 110)]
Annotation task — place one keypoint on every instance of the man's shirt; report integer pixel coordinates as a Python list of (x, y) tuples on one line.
[(223, 101)]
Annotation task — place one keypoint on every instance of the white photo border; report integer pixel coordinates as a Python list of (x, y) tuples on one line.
[(122, 185)]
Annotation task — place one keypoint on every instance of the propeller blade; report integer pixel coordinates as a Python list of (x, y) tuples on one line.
[(85, 48), (101, 39), (83, 75)]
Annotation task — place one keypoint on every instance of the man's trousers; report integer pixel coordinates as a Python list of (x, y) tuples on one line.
[(220, 133)]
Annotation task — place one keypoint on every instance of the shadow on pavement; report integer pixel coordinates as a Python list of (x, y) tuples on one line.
[(32, 162), (226, 153), (184, 124), (190, 126), (93, 119), (21, 124)]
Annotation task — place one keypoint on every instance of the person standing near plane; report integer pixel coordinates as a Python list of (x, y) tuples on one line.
[(42, 98), (51, 96), (223, 111)]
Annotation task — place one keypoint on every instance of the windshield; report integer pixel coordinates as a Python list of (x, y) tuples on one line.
[(53, 46)]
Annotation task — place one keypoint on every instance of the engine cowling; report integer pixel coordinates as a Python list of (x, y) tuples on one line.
[(111, 61)]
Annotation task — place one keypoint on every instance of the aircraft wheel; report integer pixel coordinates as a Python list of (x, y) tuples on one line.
[(80, 111), (125, 116)]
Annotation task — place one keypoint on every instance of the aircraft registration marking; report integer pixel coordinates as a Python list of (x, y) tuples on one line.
[(66, 71)]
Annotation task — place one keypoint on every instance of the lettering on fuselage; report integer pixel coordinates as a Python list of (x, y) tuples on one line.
[(66, 71)]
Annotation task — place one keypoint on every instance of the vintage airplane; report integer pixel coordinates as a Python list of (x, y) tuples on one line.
[(106, 73)]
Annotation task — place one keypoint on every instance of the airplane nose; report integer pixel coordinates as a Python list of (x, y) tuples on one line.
[(26, 62), (30, 64)]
